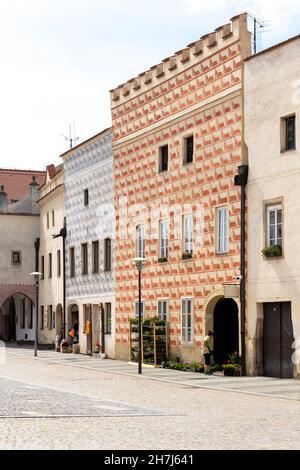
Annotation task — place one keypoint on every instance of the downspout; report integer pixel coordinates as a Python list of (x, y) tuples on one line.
[(102, 329), (36, 326), (241, 180)]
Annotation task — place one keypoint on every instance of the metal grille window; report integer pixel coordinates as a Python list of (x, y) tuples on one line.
[(188, 149), (72, 262), (164, 239), (163, 158), (163, 309), (50, 265), (107, 254), (290, 133), (84, 259), (188, 245), (95, 250), (222, 230), (141, 241), (187, 321), (274, 225), (107, 318), (58, 260)]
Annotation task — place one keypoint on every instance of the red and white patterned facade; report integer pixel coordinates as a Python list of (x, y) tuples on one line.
[(197, 91)]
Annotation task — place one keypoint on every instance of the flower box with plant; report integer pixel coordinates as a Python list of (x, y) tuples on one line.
[(187, 255), (272, 251), (162, 260)]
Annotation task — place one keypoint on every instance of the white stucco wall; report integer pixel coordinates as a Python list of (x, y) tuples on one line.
[(51, 289), (272, 91)]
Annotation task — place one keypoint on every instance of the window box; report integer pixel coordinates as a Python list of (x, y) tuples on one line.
[(162, 260), (272, 251), (187, 255)]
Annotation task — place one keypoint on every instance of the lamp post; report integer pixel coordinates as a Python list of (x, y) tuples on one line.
[(36, 275), (139, 263)]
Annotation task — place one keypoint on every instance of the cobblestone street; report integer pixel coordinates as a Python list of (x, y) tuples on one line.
[(47, 405)]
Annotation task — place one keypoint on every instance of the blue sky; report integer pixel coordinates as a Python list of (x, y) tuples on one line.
[(59, 58)]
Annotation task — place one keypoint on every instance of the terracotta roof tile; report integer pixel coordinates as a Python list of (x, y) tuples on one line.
[(16, 182)]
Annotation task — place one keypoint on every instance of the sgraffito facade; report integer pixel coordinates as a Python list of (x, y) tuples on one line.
[(177, 143)]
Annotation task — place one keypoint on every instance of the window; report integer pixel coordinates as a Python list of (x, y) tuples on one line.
[(30, 319), (43, 267), (16, 257), (58, 260), (86, 197), (163, 309), (50, 266), (107, 318), (188, 245), (53, 218), (48, 222), (107, 254), (222, 230), (84, 259), (164, 240), (188, 149), (23, 313), (288, 133), (49, 317), (186, 321), (42, 317), (137, 309), (140, 241), (72, 262), (274, 225), (95, 254), (163, 158)]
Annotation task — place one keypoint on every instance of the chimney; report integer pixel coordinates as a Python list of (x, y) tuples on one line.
[(3, 200), (34, 189)]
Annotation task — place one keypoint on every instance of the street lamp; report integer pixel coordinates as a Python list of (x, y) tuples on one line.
[(139, 263), (36, 275)]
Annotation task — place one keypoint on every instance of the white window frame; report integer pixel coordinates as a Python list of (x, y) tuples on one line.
[(136, 309), (141, 241), (222, 230), (187, 332), (164, 238), (274, 208), (161, 314), (188, 233)]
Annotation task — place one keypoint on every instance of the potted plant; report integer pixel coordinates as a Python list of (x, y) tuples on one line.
[(229, 370), (187, 255), (97, 347), (272, 251)]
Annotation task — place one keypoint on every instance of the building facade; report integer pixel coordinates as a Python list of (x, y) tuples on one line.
[(89, 199), (51, 292), (272, 134), (19, 221), (177, 143)]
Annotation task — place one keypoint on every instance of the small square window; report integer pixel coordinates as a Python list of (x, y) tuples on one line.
[(86, 197), (16, 257), (188, 150), (288, 133), (163, 158)]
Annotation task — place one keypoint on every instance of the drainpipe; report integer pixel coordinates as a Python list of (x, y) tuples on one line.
[(36, 319), (63, 234), (241, 180), (102, 329)]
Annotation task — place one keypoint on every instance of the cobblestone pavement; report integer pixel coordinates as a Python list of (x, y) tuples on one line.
[(46, 405)]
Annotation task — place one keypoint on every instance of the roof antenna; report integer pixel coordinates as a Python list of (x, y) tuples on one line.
[(71, 139), (259, 27)]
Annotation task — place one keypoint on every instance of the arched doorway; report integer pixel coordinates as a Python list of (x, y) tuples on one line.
[(226, 330), (73, 322), (58, 319), (17, 318)]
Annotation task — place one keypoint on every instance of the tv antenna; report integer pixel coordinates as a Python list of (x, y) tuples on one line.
[(70, 139), (259, 27)]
